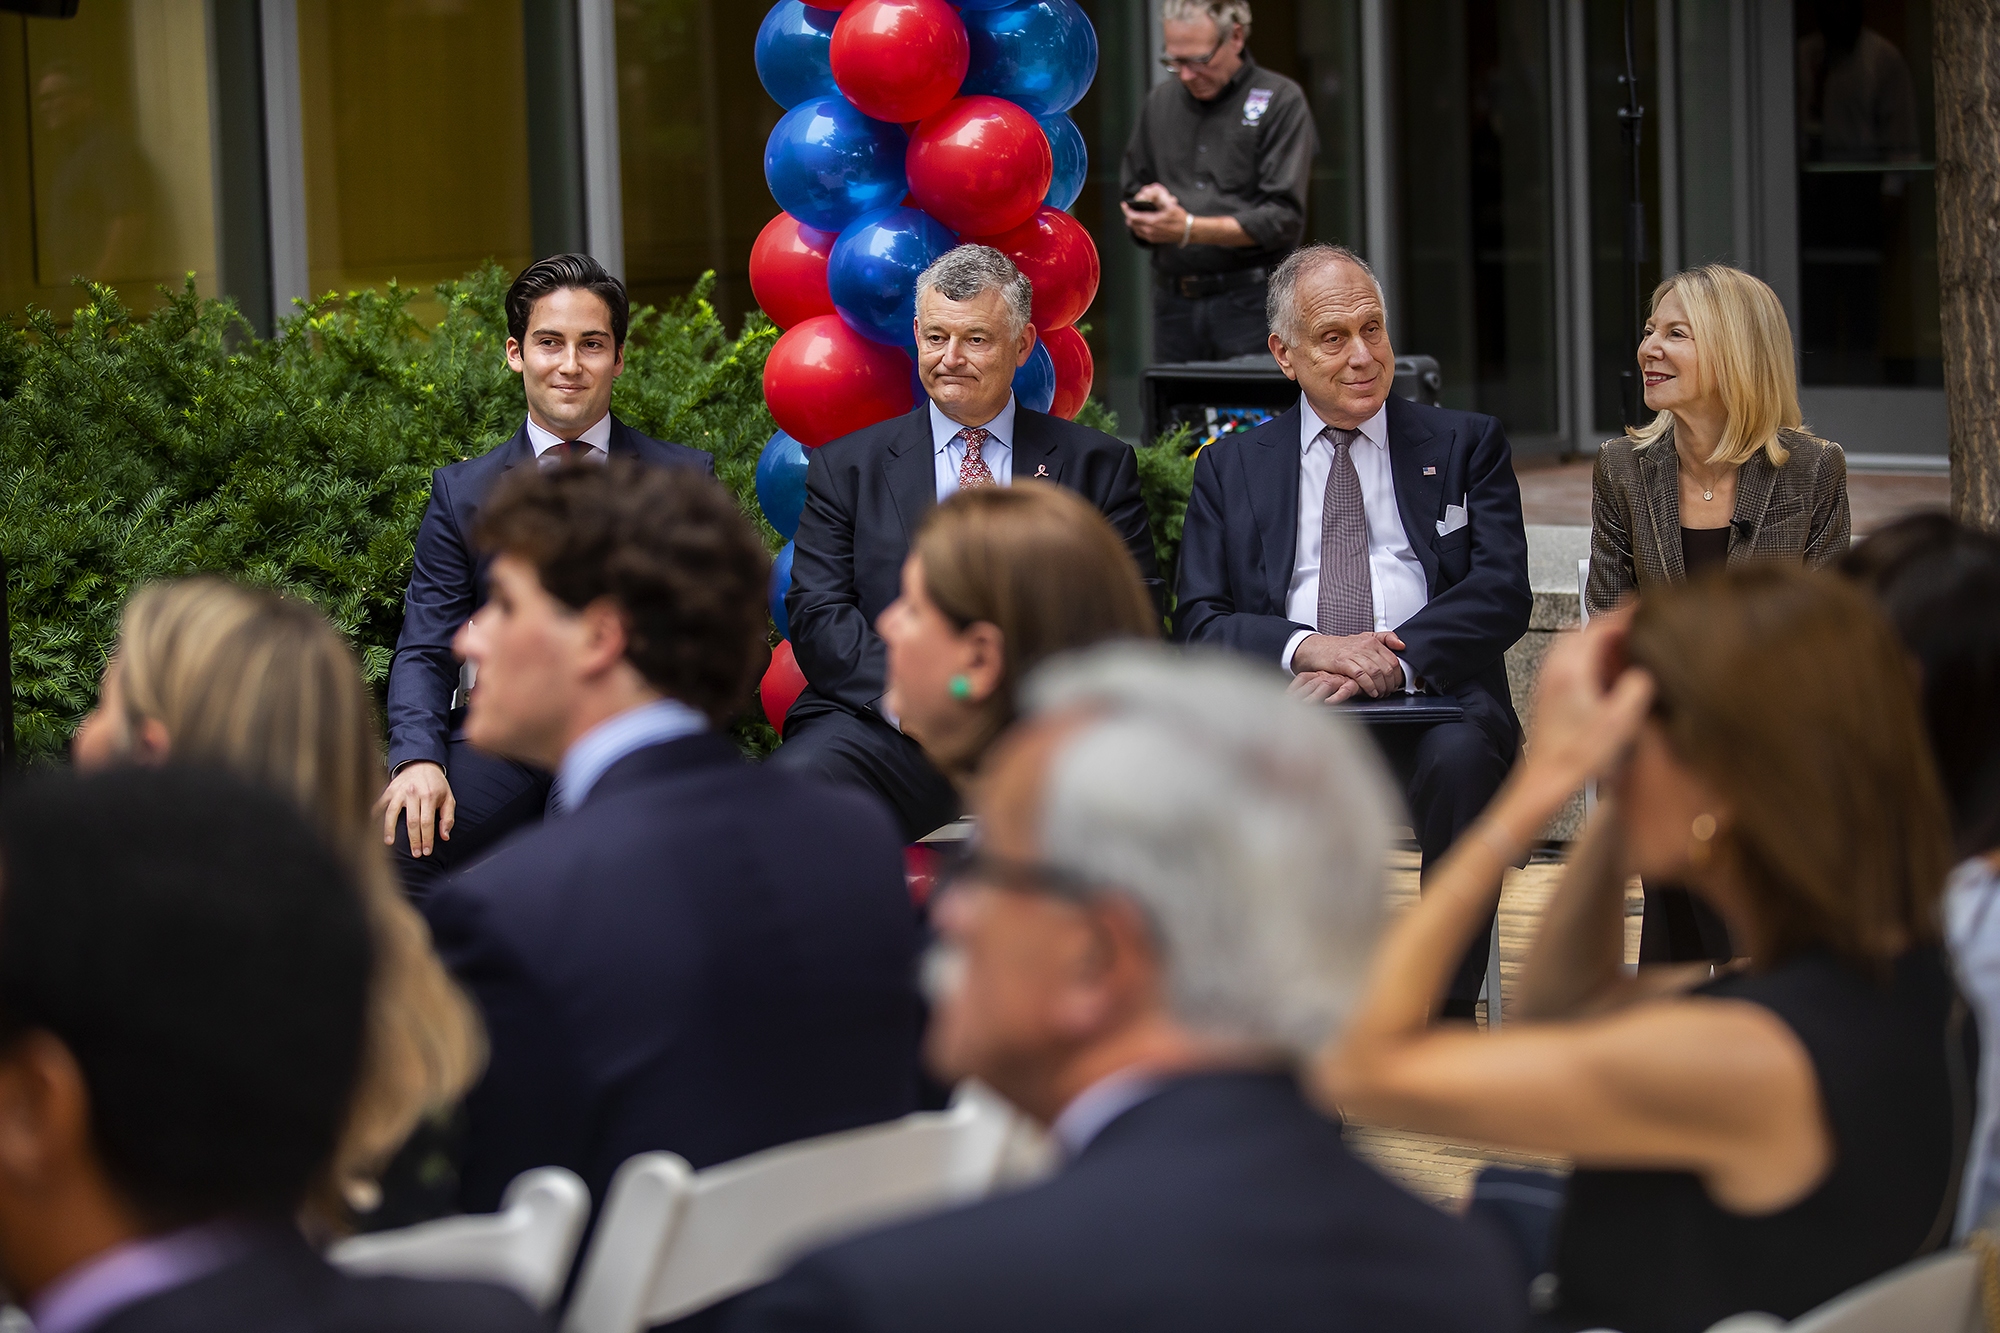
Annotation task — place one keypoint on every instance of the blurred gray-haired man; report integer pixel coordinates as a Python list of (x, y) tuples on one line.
[(1177, 888)]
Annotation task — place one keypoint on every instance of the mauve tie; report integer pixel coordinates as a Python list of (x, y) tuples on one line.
[(1346, 592), (973, 472)]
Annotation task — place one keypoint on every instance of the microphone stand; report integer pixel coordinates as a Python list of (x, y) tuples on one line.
[(1631, 119)]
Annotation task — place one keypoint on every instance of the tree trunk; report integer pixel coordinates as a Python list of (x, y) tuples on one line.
[(1967, 58)]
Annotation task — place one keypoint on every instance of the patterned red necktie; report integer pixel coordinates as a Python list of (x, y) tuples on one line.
[(973, 472)]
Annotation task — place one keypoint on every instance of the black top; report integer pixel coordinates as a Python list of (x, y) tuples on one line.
[(1703, 549), (1650, 1252), (1246, 153), (1223, 1202)]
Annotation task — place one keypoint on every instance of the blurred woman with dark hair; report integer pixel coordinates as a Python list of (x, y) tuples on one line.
[(1939, 582), (999, 579), (1766, 1139)]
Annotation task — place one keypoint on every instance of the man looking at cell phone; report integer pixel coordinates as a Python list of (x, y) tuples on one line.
[(1215, 182)]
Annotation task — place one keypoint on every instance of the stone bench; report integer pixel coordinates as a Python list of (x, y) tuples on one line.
[(1552, 556)]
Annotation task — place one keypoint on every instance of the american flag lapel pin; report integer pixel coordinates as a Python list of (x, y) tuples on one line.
[(1430, 472)]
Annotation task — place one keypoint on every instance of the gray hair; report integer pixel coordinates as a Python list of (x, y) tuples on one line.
[(1250, 827), (1223, 13), (1281, 302), (963, 273)]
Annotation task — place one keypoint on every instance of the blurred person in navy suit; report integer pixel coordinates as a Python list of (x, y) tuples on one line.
[(868, 495), (1178, 883), (184, 992), (1369, 545), (693, 953), (566, 322)]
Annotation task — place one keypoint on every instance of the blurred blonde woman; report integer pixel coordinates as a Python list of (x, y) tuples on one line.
[(210, 671), (1722, 475)]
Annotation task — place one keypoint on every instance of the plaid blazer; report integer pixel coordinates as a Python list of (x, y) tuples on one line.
[(1794, 512)]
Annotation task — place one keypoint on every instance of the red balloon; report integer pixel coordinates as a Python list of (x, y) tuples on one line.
[(1074, 370), (783, 682), (788, 270), (899, 59), (981, 165), (823, 380), (828, 4), (1060, 259)]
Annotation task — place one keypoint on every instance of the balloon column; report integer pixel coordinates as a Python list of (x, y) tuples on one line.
[(909, 127)]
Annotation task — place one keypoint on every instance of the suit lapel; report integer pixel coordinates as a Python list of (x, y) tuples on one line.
[(912, 470), (1413, 446), (621, 444), (1272, 469), (1038, 452), (517, 450), (1755, 480), (1660, 473)]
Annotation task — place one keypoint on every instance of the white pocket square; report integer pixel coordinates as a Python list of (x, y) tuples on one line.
[(1453, 520)]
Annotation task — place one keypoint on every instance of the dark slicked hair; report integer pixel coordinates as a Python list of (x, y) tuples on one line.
[(668, 546), (545, 276), (203, 956)]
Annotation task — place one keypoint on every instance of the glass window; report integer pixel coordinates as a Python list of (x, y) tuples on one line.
[(1613, 328), (1868, 273), (105, 167), (1473, 158), (415, 119), (1329, 69)]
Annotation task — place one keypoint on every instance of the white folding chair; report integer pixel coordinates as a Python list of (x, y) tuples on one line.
[(671, 1241), (1938, 1294), (1583, 610), (528, 1245)]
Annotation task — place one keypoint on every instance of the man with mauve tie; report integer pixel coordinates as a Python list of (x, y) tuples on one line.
[(1370, 546), (446, 801), (868, 493)]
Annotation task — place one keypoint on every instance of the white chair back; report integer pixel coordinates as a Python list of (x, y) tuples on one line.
[(1938, 1294), (528, 1245), (671, 1241)]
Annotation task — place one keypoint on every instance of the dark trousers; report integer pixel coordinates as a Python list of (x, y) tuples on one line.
[(1209, 328), (862, 751), (1448, 772), (1680, 928), (495, 796)]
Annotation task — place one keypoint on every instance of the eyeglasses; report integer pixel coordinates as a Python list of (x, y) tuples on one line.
[(1197, 62), (1006, 872)]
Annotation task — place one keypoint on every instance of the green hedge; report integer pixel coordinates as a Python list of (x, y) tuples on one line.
[(133, 450)]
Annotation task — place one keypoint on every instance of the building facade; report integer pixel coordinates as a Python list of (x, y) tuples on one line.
[(1471, 149)]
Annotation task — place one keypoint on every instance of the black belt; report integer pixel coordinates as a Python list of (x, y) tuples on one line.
[(1195, 285)]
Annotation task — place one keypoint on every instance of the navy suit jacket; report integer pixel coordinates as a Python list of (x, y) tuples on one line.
[(707, 956), (866, 496), (1223, 1202), (281, 1286), (1240, 543), (448, 584)]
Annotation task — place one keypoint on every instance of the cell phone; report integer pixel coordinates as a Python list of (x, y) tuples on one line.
[(1142, 205)]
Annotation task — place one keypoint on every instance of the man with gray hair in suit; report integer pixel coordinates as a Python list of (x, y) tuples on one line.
[(1178, 885)]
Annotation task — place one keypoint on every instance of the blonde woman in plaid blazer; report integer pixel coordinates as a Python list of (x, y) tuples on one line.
[(1725, 472)]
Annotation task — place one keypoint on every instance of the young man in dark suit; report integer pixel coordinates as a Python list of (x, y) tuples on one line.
[(1372, 546), (868, 493), (184, 993), (566, 322), (693, 953), (1177, 892)]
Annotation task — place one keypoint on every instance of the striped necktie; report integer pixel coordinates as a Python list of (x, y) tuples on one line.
[(1346, 592)]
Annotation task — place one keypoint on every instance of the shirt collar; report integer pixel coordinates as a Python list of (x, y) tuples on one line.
[(1098, 1105), (944, 430), (599, 434), (1375, 430), (1229, 89), (94, 1290), (594, 752)]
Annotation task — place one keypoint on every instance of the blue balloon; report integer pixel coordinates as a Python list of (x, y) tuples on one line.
[(1041, 55), (781, 483), (781, 583), (1072, 160), (872, 272), (1035, 381), (827, 164), (792, 52)]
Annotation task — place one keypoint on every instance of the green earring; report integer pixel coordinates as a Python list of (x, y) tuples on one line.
[(961, 687)]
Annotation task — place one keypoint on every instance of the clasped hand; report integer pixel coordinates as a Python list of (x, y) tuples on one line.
[(1333, 668), (1167, 226)]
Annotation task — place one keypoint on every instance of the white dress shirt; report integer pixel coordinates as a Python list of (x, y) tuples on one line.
[(605, 744), (949, 450), (1395, 573), (598, 437)]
